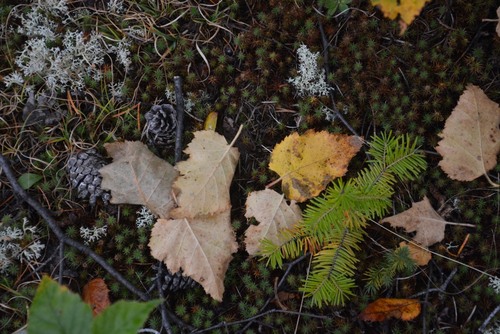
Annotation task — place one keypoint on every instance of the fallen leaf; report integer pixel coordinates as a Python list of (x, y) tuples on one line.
[(385, 308), (307, 163), (137, 176), (406, 9), (202, 247), (211, 121), (419, 255), (205, 177), (423, 219), (96, 294), (471, 136), (273, 213)]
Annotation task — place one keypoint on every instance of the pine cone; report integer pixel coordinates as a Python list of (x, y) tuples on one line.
[(83, 169), (42, 110), (161, 124), (177, 281)]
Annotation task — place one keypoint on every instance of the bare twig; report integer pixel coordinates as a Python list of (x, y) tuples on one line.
[(227, 324), (179, 106), (488, 319), (46, 215), (163, 308)]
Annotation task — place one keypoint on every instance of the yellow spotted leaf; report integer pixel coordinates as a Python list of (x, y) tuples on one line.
[(308, 163), (406, 9)]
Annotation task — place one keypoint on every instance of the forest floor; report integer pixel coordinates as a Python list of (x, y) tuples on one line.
[(75, 75)]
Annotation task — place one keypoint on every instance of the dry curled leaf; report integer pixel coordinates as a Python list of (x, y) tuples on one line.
[(273, 213), (96, 294), (385, 308), (202, 247), (137, 176), (419, 255), (205, 178), (423, 219), (471, 136), (307, 163)]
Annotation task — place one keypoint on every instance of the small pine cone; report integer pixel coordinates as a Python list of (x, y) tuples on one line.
[(83, 169), (177, 281), (161, 124)]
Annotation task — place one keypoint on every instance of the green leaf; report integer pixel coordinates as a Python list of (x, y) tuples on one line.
[(27, 180), (57, 310), (124, 317)]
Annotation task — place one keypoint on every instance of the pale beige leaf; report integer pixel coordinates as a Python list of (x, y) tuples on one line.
[(471, 136), (202, 247), (423, 219), (420, 255), (137, 176), (206, 176), (273, 213)]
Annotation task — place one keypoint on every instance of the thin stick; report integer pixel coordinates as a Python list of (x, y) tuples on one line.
[(163, 308), (488, 319), (179, 106), (46, 215)]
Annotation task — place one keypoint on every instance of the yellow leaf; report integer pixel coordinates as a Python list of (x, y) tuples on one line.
[(307, 163), (471, 137), (211, 121), (406, 9), (205, 177), (419, 255), (201, 246), (385, 308), (137, 176), (273, 214)]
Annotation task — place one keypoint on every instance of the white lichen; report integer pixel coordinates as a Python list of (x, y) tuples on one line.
[(144, 218), (12, 245), (68, 64), (92, 234), (311, 79), (495, 284)]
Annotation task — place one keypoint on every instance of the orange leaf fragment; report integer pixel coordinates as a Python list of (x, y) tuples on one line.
[(385, 308), (419, 255), (96, 294), (308, 163)]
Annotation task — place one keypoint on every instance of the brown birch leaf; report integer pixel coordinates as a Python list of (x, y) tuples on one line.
[(137, 176), (384, 308), (273, 213), (423, 219), (205, 178), (471, 136), (96, 294), (201, 246), (308, 163)]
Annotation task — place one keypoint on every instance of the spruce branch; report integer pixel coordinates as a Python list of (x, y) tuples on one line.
[(335, 222)]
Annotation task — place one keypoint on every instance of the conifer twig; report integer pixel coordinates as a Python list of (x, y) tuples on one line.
[(47, 216)]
